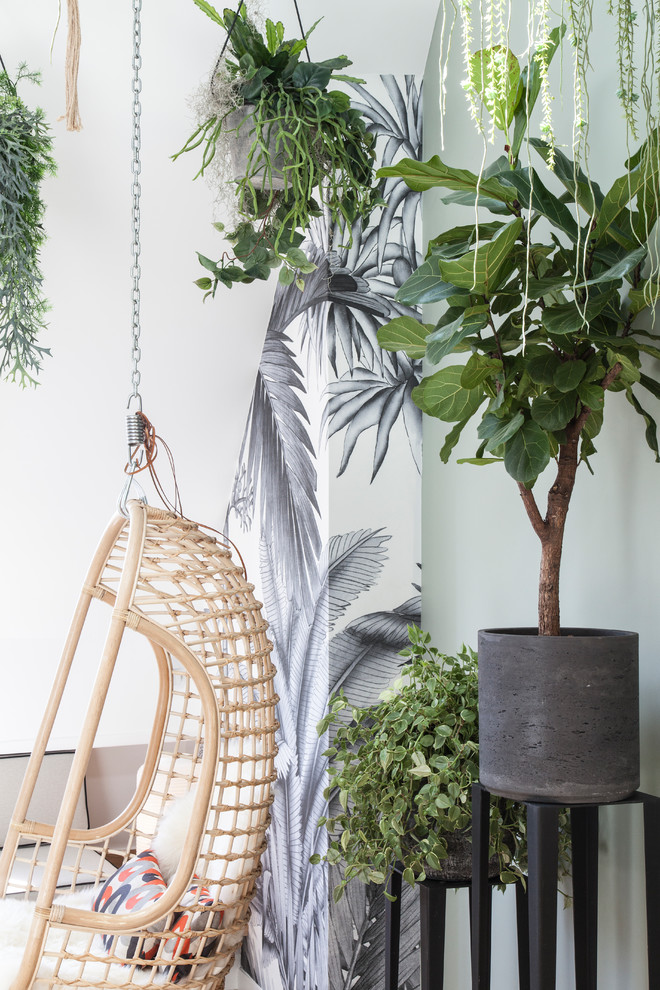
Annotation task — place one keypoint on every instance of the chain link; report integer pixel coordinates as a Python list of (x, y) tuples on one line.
[(136, 192)]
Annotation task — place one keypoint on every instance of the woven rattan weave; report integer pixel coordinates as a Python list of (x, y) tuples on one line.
[(214, 730)]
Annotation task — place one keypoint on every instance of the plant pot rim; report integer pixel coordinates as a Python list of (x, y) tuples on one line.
[(568, 632)]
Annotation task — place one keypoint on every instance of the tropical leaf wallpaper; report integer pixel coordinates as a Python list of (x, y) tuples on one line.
[(327, 506)]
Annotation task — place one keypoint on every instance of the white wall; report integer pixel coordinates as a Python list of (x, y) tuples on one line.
[(481, 557), (63, 445)]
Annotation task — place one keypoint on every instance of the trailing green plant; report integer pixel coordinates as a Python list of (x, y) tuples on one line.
[(25, 160), (548, 299), (403, 770), (324, 152)]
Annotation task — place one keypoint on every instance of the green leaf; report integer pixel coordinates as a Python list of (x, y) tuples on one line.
[(311, 74), (405, 333), (568, 376), (529, 187), (482, 270), (425, 285), (630, 372), (478, 368), (650, 384), (651, 432), (452, 439), (541, 369), (497, 431), (527, 453), (568, 318), (591, 395), (444, 340), (409, 876), (495, 75), (553, 410), (203, 283), (646, 294), (479, 461), (210, 11), (585, 191), (211, 266), (593, 425), (296, 257), (287, 275), (616, 200), (274, 37), (467, 233), (427, 175), (441, 395), (531, 79)]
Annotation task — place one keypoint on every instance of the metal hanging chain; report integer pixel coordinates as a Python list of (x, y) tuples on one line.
[(135, 217), (135, 429)]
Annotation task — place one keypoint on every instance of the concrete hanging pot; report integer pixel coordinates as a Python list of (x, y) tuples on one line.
[(265, 168), (559, 715)]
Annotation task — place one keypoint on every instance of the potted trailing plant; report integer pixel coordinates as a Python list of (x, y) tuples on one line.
[(404, 768), (305, 150), (25, 160), (546, 298)]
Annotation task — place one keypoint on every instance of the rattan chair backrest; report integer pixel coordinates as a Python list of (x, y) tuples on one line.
[(213, 733)]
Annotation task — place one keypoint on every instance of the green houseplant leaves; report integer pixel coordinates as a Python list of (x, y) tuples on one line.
[(550, 322), (25, 160), (308, 150), (403, 771)]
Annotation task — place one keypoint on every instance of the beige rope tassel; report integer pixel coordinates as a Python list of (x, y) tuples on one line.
[(73, 121)]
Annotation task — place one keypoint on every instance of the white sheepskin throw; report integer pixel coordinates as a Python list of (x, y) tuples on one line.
[(16, 916), (171, 834), (15, 921)]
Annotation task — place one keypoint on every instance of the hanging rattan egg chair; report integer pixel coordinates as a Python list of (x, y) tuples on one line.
[(213, 735)]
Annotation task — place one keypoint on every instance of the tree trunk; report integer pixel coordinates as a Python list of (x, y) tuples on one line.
[(549, 584), (550, 530)]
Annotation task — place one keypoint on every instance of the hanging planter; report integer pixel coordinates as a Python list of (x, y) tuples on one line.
[(266, 170), (291, 148), (547, 295), (25, 160)]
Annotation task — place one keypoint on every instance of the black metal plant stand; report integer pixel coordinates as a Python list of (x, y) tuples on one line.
[(432, 916), (542, 841)]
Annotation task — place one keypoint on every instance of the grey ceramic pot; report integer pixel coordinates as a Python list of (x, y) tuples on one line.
[(559, 715), (242, 122)]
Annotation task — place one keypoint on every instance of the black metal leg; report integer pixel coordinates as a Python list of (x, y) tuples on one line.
[(432, 914), (652, 863), (392, 932), (542, 844), (481, 893), (522, 924), (584, 841)]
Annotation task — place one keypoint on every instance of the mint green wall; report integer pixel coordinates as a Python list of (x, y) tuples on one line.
[(481, 557)]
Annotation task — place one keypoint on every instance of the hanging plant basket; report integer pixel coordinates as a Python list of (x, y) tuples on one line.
[(297, 150), (263, 168)]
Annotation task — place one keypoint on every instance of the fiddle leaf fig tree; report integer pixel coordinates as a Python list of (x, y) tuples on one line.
[(546, 297)]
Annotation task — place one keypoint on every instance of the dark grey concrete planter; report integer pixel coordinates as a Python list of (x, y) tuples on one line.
[(559, 715)]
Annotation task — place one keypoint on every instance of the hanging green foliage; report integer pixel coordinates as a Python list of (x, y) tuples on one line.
[(308, 151), (25, 159)]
